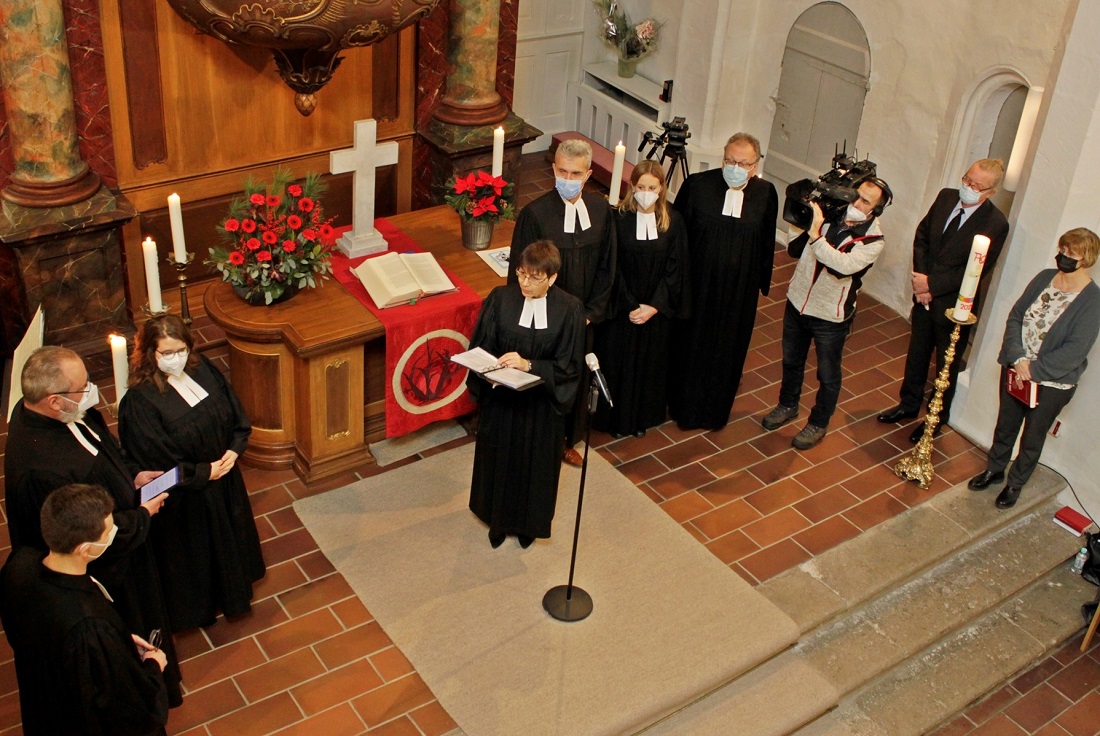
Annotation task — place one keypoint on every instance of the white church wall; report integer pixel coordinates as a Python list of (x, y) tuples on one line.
[(1059, 193)]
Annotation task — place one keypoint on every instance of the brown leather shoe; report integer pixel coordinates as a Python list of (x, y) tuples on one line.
[(572, 457)]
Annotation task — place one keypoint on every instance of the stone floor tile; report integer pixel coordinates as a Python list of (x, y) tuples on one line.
[(732, 547), (721, 521), (338, 686), (780, 466), (399, 727), (730, 488), (1038, 674), (959, 726), (316, 594), (358, 642), (992, 704), (1077, 679), (299, 632), (778, 495), (264, 615), (874, 511), (686, 506), (288, 546), (278, 579), (339, 721), (681, 480), (315, 565), (731, 461), (688, 451), (432, 720), (773, 560), (351, 612), (777, 526), (258, 719), (1082, 718), (392, 699), (1037, 707), (825, 535), (221, 663), (642, 469), (822, 505), (999, 725), (391, 664), (279, 674), (205, 705)]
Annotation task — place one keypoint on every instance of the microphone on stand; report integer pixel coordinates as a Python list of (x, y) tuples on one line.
[(594, 365)]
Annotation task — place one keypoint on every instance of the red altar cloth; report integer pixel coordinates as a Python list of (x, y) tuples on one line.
[(423, 384)]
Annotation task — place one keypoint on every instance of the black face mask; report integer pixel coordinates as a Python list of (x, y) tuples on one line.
[(1065, 263)]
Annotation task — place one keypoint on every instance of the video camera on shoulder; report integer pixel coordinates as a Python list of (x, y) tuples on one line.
[(833, 191)]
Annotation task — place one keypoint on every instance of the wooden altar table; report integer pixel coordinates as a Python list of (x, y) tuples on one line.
[(311, 371)]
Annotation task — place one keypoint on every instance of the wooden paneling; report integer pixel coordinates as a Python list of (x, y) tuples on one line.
[(142, 68)]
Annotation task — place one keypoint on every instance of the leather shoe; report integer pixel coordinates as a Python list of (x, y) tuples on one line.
[(639, 433), (984, 480), (1007, 497), (897, 414), (919, 432), (572, 457), (525, 541), (496, 539)]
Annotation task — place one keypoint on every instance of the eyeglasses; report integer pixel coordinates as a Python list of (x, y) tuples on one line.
[(974, 185), (742, 164), (524, 276), (171, 353), (86, 389), (155, 638)]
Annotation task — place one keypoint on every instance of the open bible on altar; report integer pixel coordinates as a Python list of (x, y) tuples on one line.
[(486, 365), (399, 278)]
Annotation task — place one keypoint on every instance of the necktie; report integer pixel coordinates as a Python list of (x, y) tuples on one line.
[(953, 226)]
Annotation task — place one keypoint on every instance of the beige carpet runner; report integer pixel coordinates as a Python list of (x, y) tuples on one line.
[(670, 621)]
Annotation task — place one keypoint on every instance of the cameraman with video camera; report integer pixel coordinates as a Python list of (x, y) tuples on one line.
[(821, 302)]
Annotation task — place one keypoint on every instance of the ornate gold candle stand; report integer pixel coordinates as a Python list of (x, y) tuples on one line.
[(917, 465)]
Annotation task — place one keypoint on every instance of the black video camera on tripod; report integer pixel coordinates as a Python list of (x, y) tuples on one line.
[(670, 144)]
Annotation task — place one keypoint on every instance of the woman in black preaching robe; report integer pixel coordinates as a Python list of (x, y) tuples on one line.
[(536, 327), (181, 411), (730, 216), (650, 290)]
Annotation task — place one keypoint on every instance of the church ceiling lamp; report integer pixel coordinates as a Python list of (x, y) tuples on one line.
[(304, 36)]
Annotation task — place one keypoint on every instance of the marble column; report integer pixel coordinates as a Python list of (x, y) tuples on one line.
[(471, 98), (38, 97)]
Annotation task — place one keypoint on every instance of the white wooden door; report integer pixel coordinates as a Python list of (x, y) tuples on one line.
[(548, 58)]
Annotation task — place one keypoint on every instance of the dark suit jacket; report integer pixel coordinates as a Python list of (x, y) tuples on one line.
[(944, 262)]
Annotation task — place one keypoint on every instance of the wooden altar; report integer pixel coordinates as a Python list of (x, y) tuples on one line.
[(311, 371)]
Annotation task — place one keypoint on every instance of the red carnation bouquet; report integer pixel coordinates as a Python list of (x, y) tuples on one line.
[(277, 239), (480, 196)]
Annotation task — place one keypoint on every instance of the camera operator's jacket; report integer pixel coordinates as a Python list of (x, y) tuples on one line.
[(827, 277)]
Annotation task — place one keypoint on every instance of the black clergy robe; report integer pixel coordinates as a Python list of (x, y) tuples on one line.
[(204, 537), (730, 263), (587, 268), (41, 456), (634, 358), (78, 670), (517, 458)]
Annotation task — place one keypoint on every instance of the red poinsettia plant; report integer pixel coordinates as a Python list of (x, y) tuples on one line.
[(276, 238), (480, 196)]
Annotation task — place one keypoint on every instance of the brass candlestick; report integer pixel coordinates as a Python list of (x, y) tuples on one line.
[(917, 465), (181, 269)]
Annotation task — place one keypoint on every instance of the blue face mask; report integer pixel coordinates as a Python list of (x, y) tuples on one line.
[(968, 196), (734, 175), (568, 188)]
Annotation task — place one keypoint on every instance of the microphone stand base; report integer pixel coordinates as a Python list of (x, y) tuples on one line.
[(565, 607)]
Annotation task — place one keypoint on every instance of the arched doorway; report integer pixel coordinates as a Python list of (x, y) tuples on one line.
[(826, 65)]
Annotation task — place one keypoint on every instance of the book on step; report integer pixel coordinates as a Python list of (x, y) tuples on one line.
[(1072, 521), (488, 366), (401, 278), (1025, 391)]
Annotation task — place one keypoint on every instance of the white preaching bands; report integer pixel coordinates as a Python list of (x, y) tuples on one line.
[(646, 226), (732, 206), (534, 310), (92, 450), (188, 388), (574, 212)]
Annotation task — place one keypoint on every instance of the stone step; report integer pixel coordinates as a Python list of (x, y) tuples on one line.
[(901, 623), (748, 705), (889, 555), (932, 687)]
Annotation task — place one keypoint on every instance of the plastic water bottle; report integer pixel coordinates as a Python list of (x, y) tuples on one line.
[(1080, 560)]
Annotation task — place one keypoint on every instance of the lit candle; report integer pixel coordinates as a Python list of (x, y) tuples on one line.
[(118, 362), (175, 216), (498, 151), (978, 249), (617, 174), (152, 275)]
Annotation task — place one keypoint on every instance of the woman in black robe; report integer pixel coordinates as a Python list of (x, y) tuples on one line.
[(536, 327), (650, 290), (181, 411)]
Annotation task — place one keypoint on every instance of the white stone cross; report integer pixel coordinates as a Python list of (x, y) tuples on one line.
[(363, 159)]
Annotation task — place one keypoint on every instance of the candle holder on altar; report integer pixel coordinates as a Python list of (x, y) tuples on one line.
[(917, 465), (148, 311), (181, 269)]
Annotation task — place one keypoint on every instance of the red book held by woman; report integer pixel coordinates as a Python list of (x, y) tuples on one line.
[(1025, 391)]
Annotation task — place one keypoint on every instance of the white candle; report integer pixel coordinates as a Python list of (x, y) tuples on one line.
[(118, 362), (152, 275), (498, 151), (617, 174), (978, 249), (175, 216)]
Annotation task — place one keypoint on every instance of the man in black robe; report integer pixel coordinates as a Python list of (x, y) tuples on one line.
[(730, 215), (80, 670), (579, 223), (56, 437)]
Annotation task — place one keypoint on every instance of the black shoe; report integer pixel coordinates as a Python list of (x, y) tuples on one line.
[(1088, 610), (897, 414), (919, 432), (640, 433), (1007, 498), (496, 539), (984, 480), (525, 541), (616, 435)]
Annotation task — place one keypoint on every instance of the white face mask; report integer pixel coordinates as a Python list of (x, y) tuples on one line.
[(646, 200), (110, 538), (855, 215), (173, 365), (968, 196), (87, 401)]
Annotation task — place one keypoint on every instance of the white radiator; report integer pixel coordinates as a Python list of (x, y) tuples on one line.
[(610, 109)]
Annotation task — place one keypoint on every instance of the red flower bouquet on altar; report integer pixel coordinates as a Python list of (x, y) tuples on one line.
[(277, 239), (480, 197)]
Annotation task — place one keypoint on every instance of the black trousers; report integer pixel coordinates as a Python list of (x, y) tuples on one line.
[(1036, 423), (930, 331)]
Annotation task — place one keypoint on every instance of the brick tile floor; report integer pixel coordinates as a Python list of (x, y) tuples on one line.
[(310, 659)]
